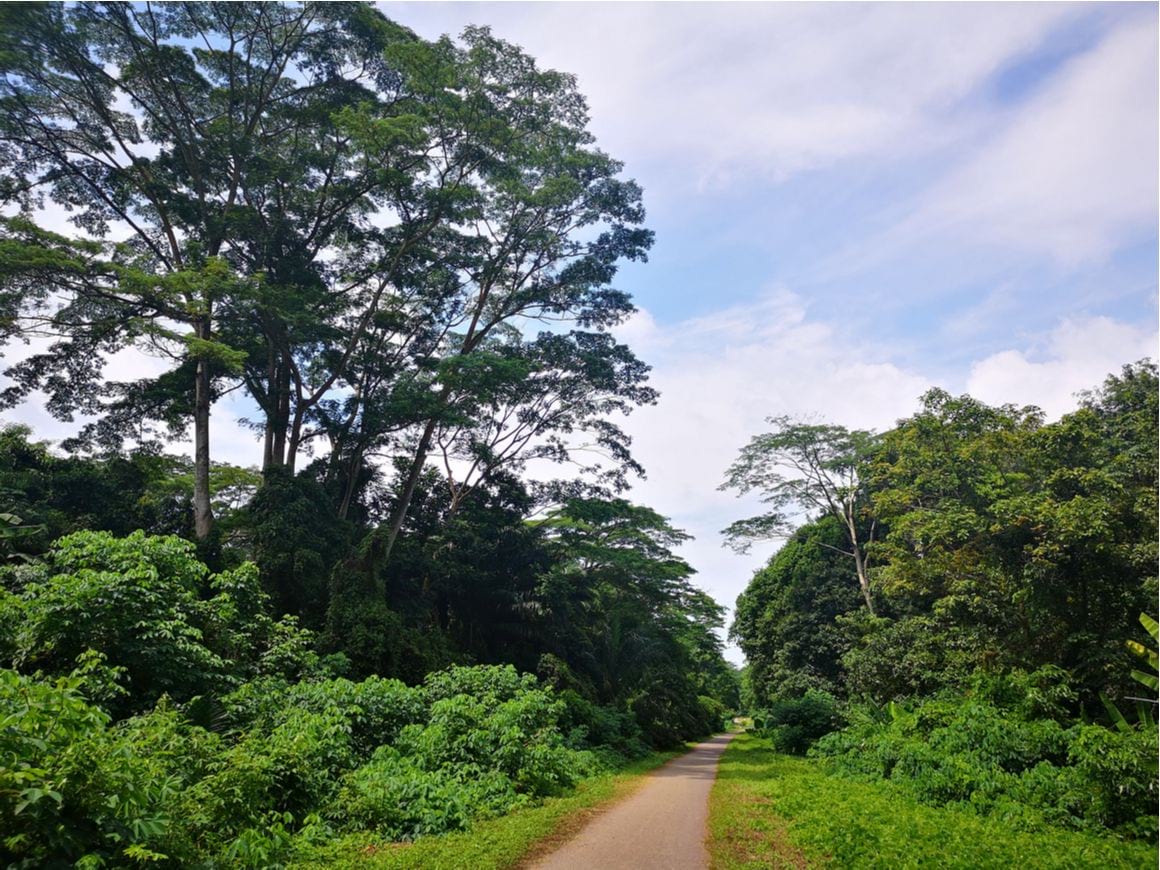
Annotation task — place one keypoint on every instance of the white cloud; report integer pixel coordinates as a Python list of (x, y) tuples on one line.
[(729, 90), (1073, 173), (1076, 356)]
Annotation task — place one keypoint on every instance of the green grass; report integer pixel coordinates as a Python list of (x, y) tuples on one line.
[(495, 843), (769, 810)]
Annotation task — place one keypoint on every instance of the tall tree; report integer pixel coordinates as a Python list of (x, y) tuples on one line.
[(224, 153), (811, 468), (338, 214), (550, 225)]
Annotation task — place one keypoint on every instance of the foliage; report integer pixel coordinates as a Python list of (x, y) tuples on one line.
[(794, 726), (769, 810), (491, 720), (983, 754), (71, 787), (396, 798), (347, 222), (624, 615), (1010, 561), (787, 620), (151, 609), (310, 206), (1002, 543), (825, 465), (500, 842), (296, 539)]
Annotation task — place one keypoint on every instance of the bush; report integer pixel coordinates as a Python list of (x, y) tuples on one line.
[(374, 755), (509, 727), (586, 725), (374, 710), (669, 711), (970, 753), (794, 725), (138, 601), (396, 797), (72, 789)]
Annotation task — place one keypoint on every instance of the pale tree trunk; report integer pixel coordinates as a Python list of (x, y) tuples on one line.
[(843, 505), (863, 579), (202, 512)]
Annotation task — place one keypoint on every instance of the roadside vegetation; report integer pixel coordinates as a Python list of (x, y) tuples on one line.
[(771, 810), (428, 606), (506, 841), (965, 623)]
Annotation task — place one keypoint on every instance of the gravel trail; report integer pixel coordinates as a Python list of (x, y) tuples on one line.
[(660, 827)]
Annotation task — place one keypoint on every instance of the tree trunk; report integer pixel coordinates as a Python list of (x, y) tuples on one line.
[(269, 406), (413, 475), (863, 579), (202, 513), (281, 414)]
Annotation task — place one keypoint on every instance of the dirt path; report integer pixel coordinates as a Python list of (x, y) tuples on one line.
[(660, 826)]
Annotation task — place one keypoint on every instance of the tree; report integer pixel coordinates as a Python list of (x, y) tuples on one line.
[(1019, 543), (226, 157), (807, 467), (549, 227), (622, 612), (302, 200), (786, 620), (541, 396)]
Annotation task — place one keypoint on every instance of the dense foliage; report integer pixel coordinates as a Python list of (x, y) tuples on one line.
[(402, 253), (768, 809), (1010, 562), (154, 710)]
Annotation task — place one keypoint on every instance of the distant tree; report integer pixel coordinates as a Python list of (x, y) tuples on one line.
[(802, 467), (622, 611), (786, 620)]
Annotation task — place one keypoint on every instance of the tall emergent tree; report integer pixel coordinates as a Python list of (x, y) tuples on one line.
[(307, 202), (204, 150), (807, 467)]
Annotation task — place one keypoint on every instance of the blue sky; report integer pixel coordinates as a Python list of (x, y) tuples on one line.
[(853, 203)]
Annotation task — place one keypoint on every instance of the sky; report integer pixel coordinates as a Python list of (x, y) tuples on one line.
[(852, 204)]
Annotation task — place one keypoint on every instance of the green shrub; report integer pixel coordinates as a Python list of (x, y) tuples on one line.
[(587, 725), (138, 601), (375, 709), (489, 684), (669, 711), (967, 752), (793, 725), (1113, 778), (518, 738), (396, 797), (71, 788)]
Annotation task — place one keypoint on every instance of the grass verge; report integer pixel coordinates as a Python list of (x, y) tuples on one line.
[(774, 811), (508, 841)]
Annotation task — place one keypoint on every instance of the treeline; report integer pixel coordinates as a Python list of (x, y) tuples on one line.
[(970, 604), (402, 253), (157, 710)]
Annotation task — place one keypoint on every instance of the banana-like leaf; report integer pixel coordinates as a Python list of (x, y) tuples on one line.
[(1143, 651), (1116, 716), (1144, 714), (1150, 680), (1151, 625)]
